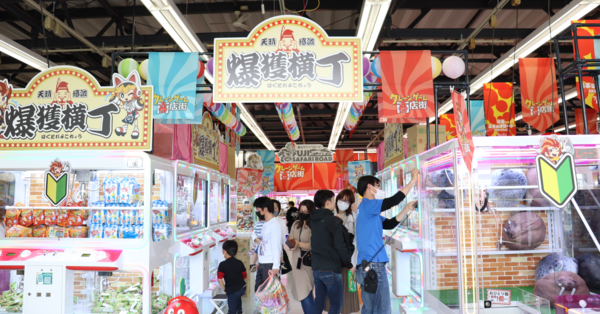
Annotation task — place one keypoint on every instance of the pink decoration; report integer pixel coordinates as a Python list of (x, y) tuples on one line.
[(223, 160), (453, 67), (366, 66), (209, 66), (381, 156)]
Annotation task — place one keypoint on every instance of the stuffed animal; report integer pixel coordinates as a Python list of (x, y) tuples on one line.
[(537, 199), (509, 197), (555, 262), (524, 231), (443, 179), (181, 305), (552, 285), (588, 265)]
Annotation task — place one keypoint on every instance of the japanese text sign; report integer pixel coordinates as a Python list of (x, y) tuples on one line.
[(539, 96), (205, 143), (499, 103), (463, 128), (315, 153), (293, 177), (288, 58), (394, 143), (500, 297), (66, 108)]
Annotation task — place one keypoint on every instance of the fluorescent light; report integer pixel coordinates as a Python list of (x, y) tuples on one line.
[(338, 125), (15, 50), (248, 119)]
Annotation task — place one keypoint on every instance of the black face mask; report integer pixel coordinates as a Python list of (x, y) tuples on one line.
[(260, 216), (304, 216)]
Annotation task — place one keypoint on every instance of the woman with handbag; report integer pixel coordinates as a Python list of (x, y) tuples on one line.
[(301, 278)]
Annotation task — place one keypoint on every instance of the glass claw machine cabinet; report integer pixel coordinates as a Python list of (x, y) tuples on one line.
[(85, 230)]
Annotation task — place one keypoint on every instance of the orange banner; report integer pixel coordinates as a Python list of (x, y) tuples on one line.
[(539, 96), (407, 85), (293, 177), (499, 109), (326, 176), (447, 120), (587, 51), (463, 131), (342, 157), (592, 118)]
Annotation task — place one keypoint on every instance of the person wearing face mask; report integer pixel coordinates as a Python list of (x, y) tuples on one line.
[(301, 280), (369, 234)]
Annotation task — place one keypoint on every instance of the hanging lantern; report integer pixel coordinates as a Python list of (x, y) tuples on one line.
[(436, 67), (453, 67), (222, 114)]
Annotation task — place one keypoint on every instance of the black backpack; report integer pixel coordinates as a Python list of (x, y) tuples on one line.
[(348, 237)]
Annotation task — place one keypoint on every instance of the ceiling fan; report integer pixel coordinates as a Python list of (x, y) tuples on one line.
[(239, 21)]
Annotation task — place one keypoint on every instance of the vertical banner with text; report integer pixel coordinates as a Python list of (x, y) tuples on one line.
[(463, 129), (447, 120), (539, 96), (499, 106), (268, 161), (477, 118), (592, 118), (587, 50)]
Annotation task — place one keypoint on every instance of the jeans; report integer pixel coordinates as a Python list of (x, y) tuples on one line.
[(308, 303), (262, 274), (328, 284), (234, 301), (379, 302)]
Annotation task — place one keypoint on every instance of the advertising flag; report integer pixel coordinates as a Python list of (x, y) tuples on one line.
[(499, 109), (539, 96)]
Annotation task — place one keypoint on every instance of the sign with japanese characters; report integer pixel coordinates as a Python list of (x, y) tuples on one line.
[(539, 96), (65, 107), (288, 58), (463, 128), (499, 297), (499, 102), (315, 153), (394, 143), (205, 143), (293, 177)]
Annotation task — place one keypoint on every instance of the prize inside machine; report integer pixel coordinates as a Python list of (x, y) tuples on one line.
[(86, 232), (245, 214)]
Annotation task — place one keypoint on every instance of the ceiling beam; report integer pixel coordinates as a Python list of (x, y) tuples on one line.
[(419, 18), (114, 15)]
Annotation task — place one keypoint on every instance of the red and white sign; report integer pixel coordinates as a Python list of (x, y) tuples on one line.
[(499, 297), (463, 128)]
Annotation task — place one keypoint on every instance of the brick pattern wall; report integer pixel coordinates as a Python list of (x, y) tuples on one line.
[(128, 277)]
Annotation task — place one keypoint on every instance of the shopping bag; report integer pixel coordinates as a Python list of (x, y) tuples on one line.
[(351, 282), (271, 297)]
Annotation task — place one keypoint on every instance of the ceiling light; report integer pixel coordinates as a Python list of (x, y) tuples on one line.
[(15, 50), (338, 125)]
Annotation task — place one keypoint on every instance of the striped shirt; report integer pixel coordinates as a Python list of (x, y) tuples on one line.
[(258, 230)]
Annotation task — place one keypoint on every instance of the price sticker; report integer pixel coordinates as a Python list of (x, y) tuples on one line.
[(499, 297)]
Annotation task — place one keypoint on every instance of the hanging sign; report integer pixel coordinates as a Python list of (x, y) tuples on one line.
[(56, 182), (65, 107), (463, 128), (288, 58), (268, 165), (205, 143), (314, 153), (394, 148), (293, 177), (539, 96), (447, 120), (587, 50), (327, 177), (249, 181), (407, 85), (477, 118), (499, 109), (556, 170), (357, 169), (592, 119)]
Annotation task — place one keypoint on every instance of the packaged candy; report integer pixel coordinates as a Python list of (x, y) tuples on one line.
[(161, 232), (125, 191), (63, 218), (17, 231), (49, 217), (139, 216), (136, 190), (127, 217), (12, 217), (75, 218), (139, 232), (112, 216), (99, 204), (96, 231), (38, 217), (111, 232), (40, 231), (78, 232), (26, 218), (56, 232), (98, 216), (111, 190), (86, 215), (159, 216), (127, 232)]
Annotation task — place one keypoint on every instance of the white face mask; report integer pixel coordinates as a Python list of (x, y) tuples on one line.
[(342, 206), (379, 194)]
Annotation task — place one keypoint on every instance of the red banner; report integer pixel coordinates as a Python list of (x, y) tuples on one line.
[(499, 109), (293, 177), (326, 176), (592, 118), (463, 128), (587, 51), (249, 181), (539, 96), (447, 120), (407, 85), (342, 157)]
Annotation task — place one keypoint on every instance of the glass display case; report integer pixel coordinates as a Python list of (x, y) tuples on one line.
[(191, 199)]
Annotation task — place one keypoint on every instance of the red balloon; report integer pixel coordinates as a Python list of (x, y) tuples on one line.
[(200, 69)]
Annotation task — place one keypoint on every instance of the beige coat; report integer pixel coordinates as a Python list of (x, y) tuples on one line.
[(301, 280)]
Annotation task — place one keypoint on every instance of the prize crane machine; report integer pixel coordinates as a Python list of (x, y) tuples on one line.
[(191, 274), (110, 222)]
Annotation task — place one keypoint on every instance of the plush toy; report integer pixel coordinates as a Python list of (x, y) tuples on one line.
[(181, 305), (555, 262), (537, 200), (588, 267), (443, 179), (523, 231), (510, 197), (552, 285)]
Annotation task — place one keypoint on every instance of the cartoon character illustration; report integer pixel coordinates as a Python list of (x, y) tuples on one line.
[(5, 92), (359, 171), (62, 95), (254, 161), (181, 305), (402, 107), (265, 184), (57, 168), (128, 93), (535, 110), (287, 42), (553, 148)]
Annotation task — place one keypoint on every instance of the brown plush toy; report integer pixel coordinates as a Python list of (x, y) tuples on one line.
[(560, 283), (523, 231)]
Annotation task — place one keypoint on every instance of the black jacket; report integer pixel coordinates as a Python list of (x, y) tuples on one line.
[(327, 253), (291, 217)]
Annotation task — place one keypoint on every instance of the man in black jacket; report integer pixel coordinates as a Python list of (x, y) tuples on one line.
[(291, 216), (329, 254)]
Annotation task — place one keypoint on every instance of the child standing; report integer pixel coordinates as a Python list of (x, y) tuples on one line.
[(256, 238), (233, 272)]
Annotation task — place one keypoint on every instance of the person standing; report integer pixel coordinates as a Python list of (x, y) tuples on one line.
[(329, 253), (231, 275), (369, 232), (301, 279), (285, 262), (291, 216), (269, 250), (256, 238)]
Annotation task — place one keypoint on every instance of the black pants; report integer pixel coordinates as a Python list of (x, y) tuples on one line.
[(262, 274)]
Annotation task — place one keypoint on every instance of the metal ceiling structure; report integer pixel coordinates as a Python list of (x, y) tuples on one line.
[(411, 25)]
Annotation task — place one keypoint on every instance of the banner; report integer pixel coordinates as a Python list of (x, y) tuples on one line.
[(293, 177), (539, 96), (463, 128), (357, 169), (447, 120), (174, 76), (381, 155), (407, 85), (249, 181), (477, 118), (587, 50), (288, 59), (499, 109), (342, 157), (65, 107), (592, 118), (291, 153), (326, 176), (205, 143), (393, 136), (268, 161)]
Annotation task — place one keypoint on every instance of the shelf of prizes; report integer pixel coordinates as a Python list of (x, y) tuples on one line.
[(518, 234)]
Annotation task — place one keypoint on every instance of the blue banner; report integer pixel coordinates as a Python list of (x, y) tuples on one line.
[(268, 179), (477, 118), (173, 75), (357, 169)]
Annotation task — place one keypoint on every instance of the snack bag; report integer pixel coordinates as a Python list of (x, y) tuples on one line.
[(111, 232), (112, 216), (98, 216), (49, 217), (161, 232), (86, 215), (26, 218), (78, 232), (127, 232), (111, 190), (63, 218), (159, 216), (125, 191), (38, 217), (126, 217), (271, 297), (139, 217), (96, 231), (139, 232), (56, 232), (75, 218), (136, 190), (40, 231), (17, 231), (12, 217)]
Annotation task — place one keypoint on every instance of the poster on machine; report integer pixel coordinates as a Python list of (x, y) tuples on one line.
[(539, 96), (66, 108), (205, 143), (394, 148), (293, 177), (587, 50), (499, 105), (357, 169), (285, 59), (463, 128)]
